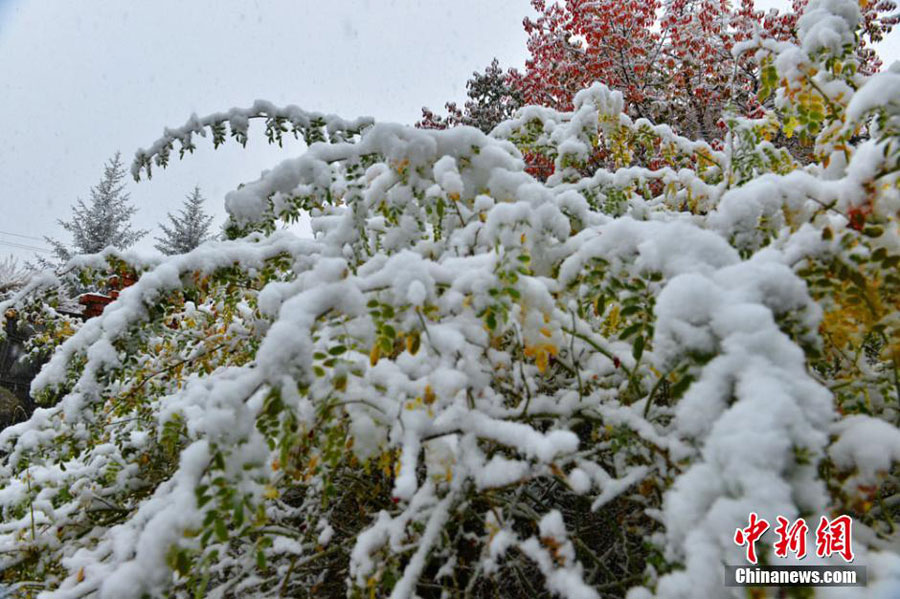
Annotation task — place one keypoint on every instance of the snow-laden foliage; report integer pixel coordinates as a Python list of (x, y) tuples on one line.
[(186, 230), (313, 126), (473, 382), (45, 306), (104, 221)]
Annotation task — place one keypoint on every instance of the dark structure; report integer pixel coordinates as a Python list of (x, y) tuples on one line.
[(16, 373)]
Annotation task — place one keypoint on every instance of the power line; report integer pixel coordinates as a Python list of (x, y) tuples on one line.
[(22, 236), (23, 246)]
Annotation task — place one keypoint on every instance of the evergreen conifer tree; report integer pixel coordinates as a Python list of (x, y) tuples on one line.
[(103, 221), (189, 228)]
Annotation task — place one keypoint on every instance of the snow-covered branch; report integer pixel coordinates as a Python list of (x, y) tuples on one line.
[(312, 126)]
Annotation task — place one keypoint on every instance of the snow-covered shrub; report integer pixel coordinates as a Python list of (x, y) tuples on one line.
[(472, 382), (47, 307)]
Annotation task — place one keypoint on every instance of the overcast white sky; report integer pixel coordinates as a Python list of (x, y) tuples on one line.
[(81, 79)]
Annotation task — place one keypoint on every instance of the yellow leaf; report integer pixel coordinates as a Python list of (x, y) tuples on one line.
[(789, 126), (412, 342), (429, 395), (612, 321)]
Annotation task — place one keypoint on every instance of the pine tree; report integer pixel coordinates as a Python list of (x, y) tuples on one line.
[(104, 221), (188, 229)]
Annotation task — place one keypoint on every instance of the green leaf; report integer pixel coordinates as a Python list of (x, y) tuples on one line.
[(238, 515), (220, 530), (873, 231), (637, 348), (631, 330), (219, 461), (678, 389), (629, 310)]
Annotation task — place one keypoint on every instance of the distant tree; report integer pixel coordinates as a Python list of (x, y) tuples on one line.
[(104, 221), (12, 275), (189, 228), (671, 59), (492, 99)]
